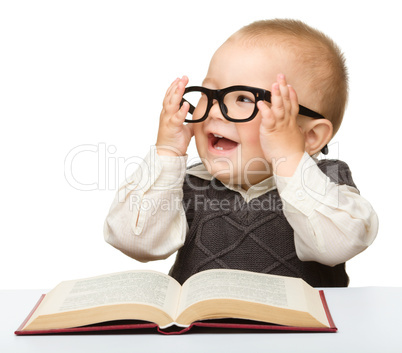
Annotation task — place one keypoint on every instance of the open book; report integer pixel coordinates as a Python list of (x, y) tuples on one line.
[(160, 301)]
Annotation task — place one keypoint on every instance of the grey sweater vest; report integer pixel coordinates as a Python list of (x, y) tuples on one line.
[(226, 232)]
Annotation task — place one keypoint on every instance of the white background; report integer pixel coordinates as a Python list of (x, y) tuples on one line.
[(86, 79)]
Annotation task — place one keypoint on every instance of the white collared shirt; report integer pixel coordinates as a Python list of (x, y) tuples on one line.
[(332, 223)]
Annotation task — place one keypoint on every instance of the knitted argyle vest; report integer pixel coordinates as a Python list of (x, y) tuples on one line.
[(227, 232)]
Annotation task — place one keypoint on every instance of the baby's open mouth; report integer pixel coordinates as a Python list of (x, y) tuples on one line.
[(221, 143)]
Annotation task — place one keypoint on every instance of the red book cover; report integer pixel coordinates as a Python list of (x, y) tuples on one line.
[(198, 326)]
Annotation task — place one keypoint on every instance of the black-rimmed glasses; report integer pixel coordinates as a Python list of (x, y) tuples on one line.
[(237, 104)]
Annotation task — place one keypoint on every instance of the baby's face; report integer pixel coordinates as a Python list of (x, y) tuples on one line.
[(237, 158)]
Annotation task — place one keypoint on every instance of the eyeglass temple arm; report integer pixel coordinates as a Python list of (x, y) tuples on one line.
[(302, 109)]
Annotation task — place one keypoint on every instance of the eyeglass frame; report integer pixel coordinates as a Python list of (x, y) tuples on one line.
[(218, 94), (259, 94)]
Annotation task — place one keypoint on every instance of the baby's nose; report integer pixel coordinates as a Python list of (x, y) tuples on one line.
[(215, 111)]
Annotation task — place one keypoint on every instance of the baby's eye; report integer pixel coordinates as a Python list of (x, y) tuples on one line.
[(244, 99)]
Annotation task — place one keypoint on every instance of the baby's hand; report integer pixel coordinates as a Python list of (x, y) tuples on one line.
[(281, 138), (173, 136)]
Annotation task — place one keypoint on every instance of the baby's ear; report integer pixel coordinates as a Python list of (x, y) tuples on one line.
[(317, 134)]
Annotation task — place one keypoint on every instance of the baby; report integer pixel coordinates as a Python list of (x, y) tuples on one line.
[(260, 201)]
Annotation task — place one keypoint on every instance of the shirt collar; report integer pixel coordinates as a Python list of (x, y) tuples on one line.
[(254, 191)]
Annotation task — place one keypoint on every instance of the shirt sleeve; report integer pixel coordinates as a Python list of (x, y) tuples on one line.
[(146, 220), (331, 222)]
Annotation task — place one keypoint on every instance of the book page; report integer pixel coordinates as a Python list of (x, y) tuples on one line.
[(147, 287), (219, 293), (233, 284)]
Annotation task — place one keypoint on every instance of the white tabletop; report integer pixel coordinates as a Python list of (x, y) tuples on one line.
[(368, 320)]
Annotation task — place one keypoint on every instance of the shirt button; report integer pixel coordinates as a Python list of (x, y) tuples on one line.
[(300, 195)]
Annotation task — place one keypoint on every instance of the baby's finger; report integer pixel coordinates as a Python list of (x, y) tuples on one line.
[(277, 107), (178, 93), (173, 88), (267, 119), (180, 116), (284, 89), (173, 85), (169, 92), (294, 101)]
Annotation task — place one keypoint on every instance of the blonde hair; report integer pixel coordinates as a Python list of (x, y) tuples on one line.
[(322, 62)]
